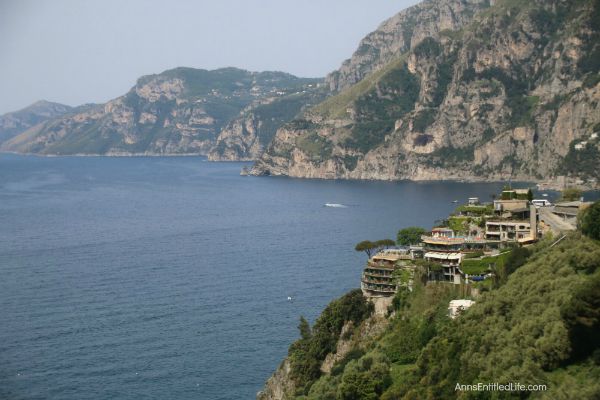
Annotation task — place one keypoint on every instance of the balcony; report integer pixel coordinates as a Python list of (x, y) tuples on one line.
[(367, 279), (378, 288), (381, 265), (377, 274)]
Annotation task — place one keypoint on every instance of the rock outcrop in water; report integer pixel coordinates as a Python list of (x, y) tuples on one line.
[(464, 90), (180, 111)]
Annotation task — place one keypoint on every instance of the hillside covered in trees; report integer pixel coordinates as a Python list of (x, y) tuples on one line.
[(538, 324)]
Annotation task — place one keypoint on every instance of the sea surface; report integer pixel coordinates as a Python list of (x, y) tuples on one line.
[(169, 277)]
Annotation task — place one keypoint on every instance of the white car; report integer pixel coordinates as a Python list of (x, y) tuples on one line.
[(541, 203)]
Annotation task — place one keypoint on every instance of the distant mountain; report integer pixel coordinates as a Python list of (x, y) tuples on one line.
[(180, 111), (14, 123), (458, 89)]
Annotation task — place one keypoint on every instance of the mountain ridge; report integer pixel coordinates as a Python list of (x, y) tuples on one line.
[(15, 122), (512, 94), (179, 111)]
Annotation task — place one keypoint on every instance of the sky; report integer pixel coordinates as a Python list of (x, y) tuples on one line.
[(90, 51)]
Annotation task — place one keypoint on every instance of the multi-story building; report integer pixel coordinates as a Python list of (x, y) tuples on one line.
[(520, 226), (446, 250), (448, 263), (377, 278)]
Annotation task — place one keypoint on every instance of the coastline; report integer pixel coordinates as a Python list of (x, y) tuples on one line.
[(553, 184)]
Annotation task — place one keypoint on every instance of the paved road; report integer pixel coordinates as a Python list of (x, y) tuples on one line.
[(556, 223)]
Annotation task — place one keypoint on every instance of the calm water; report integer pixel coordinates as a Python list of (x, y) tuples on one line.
[(160, 278)]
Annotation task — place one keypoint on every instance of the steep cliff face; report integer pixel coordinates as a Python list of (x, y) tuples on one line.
[(14, 123), (401, 33), (176, 112), (245, 137), (514, 93), (281, 386)]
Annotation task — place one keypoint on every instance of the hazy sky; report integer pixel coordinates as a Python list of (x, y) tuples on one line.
[(81, 51)]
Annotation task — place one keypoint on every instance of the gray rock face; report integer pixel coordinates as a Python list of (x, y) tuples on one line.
[(14, 123), (507, 96), (239, 140), (245, 137), (180, 111), (401, 33)]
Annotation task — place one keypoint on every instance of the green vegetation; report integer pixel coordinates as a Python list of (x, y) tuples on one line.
[(308, 352), (570, 194), (273, 115), (428, 47), (315, 146), (375, 103), (522, 106), (582, 162), (368, 135), (519, 331), (371, 248), (444, 77), (226, 81), (590, 61), (410, 235), (475, 210), (538, 323), (423, 119), (452, 155), (393, 95), (350, 162), (510, 194), (522, 110), (589, 221), (336, 106), (502, 265), (459, 224)]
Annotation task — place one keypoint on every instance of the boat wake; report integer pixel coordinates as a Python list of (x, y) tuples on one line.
[(335, 205)]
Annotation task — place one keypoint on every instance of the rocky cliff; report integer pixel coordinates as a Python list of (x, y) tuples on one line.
[(245, 137), (14, 123), (179, 111), (509, 90), (401, 33), (282, 384)]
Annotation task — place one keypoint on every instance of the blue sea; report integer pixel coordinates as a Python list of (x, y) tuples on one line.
[(169, 277)]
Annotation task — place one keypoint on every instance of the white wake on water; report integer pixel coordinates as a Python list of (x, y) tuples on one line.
[(335, 205)]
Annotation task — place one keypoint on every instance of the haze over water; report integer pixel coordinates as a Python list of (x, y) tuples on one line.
[(159, 278)]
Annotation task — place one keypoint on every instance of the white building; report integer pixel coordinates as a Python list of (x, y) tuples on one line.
[(456, 307)]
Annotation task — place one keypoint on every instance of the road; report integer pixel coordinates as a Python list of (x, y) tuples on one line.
[(556, 223)]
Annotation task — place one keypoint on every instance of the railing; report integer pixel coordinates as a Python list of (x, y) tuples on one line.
[(378, 289), (378, 281), (367, 272), (380, 265)]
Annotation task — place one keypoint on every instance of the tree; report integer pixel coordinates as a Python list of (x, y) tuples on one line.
[(384, 243), (529, 195), (589, 221), (571, 194), (304, 327), (517, 258), (367, 246), (410, 235)]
